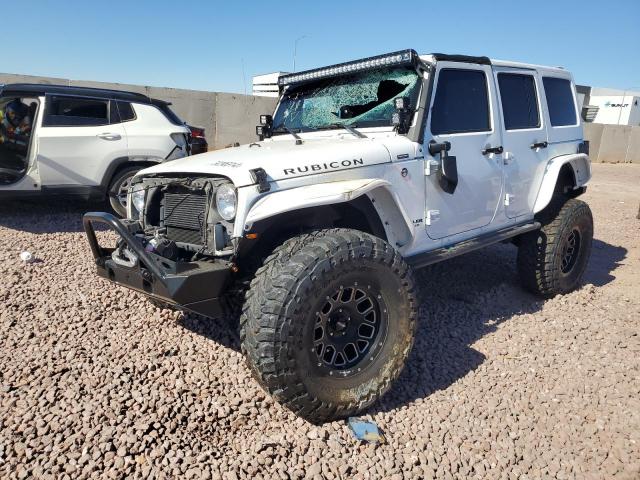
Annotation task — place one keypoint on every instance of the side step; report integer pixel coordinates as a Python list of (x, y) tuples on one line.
[(440, 254)]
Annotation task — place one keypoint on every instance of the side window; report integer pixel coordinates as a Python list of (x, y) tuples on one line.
[(126, 111), (519, 101), (64, 111), (461, 103), (562, 110)]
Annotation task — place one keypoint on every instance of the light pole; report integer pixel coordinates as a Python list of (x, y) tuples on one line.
[(295, 50)]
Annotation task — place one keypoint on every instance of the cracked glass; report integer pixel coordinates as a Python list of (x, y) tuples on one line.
[(362, 99)]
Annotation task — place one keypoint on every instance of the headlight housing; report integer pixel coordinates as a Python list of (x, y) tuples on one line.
[(137, 198), (226, 201)]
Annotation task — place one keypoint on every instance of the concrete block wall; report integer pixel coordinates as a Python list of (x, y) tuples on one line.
[(613, 143), (226, 117)]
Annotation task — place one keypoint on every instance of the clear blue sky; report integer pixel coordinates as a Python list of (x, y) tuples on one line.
[(203, 45)]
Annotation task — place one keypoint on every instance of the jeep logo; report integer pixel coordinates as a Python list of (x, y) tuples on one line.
[(317, 167)]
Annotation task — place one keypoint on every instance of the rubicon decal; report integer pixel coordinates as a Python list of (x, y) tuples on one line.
[(318, 167)]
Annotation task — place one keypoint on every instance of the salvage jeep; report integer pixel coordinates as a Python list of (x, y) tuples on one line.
[(365, 171)]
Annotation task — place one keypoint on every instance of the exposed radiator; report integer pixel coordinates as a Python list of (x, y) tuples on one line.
[(184, 217)]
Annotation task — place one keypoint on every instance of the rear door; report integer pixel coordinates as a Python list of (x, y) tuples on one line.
[(524, 138), (463, 113), (78, 140)]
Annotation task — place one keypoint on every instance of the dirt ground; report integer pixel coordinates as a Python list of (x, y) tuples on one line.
[(95, 381)]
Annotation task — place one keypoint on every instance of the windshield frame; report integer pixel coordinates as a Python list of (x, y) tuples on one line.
[(421, 85)]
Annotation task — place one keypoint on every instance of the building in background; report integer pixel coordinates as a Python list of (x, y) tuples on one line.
[(609, 106), (267, 85)]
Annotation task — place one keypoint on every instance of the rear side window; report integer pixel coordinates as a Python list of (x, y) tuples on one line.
[(72, 111), (171, 116), (126, 112), (562, 110), (461, 103), (519, 101)]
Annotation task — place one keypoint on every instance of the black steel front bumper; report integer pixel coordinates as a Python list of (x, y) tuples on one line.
[(195, 286)]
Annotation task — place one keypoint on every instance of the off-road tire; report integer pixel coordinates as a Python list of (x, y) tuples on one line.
[(541, 253), (277, 323), (116, 185)]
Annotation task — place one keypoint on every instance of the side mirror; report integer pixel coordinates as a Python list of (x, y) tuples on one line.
[(264, 129), (448, 173)]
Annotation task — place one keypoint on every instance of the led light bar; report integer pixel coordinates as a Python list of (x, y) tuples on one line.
[(403, 57)]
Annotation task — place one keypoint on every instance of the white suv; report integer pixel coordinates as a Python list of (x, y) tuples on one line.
[(74, 140), (366, 171)]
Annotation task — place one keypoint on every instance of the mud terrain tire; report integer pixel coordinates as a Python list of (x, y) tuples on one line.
[(552, 260), (317, 292)]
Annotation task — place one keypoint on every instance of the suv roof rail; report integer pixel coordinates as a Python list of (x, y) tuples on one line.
[(43, 89)]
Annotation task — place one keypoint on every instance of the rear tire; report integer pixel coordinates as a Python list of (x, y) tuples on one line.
[(329, 321), (552, 260), (118, 190)]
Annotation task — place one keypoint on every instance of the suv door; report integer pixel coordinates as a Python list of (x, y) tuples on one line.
[(524, 137), (78, 140), (18, 129), (462, 113)]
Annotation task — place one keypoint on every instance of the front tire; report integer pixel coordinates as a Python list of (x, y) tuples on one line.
[(118, 190), (329, 321), (552, 260)]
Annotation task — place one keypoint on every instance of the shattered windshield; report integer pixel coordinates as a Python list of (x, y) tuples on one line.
[(362, 99)]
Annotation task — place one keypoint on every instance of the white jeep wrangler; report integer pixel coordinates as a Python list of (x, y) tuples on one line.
[(365, 171)]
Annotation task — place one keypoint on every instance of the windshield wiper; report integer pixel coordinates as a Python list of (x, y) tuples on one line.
[(350, 129), (283, 129)]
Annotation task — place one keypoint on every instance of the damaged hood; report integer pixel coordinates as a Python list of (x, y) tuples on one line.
[(281, 159)]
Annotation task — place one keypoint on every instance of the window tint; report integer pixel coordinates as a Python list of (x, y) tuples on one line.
[(70, 111), (164, 108), (461, 103), (126, 111), (562, 111), (519, 101)]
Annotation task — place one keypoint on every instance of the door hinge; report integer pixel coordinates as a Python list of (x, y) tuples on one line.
[(508, 198), (431, 166), (432, 216)]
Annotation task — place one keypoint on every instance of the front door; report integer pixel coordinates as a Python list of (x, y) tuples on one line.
[(78, 141), (524, 138), (463, 113)]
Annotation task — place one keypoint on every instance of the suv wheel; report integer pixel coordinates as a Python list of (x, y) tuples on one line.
[(119, 188), (329, 321), (553, 259)]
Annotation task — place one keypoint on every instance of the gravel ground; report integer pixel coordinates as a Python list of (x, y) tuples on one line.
[(95, 381)]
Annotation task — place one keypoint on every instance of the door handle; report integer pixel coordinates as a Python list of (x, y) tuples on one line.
[(109, 136), (539, 145), (489, 150)]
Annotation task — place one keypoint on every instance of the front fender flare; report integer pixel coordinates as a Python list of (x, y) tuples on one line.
[(581, 167), (396, 223)]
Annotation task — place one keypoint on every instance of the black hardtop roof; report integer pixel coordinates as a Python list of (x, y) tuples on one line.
[(43, 89)]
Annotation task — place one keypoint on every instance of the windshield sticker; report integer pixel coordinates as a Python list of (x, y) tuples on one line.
[(317, 167)]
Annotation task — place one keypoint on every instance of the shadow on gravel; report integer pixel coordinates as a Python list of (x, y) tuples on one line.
[(53, 215), (219, 330), (605, 258), (462, 300)]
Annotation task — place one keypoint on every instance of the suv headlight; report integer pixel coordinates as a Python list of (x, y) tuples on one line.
[(226, 201), (137, 198)]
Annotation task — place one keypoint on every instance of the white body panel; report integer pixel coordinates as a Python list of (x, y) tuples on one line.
[(78, 155), (399, 176)]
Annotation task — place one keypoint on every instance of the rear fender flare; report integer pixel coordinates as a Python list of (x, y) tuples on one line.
[(581, 167)]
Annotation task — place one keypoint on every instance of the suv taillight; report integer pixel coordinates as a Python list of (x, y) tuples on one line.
[(197, 132)]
